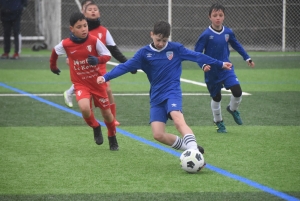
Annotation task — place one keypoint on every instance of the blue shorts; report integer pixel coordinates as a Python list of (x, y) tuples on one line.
[(227, 83), (161, 112)]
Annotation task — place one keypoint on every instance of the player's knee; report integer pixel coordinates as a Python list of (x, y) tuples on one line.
[(237, 94), (236, 91), (158, 136), (217, 98), (86, 112)]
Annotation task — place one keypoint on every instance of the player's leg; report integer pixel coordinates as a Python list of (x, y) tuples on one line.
[(215, 104), (111, 128), (68, 96), (233, 84), (101, 101), (84, 103), (158, 118), (187, 134), (112, 103)]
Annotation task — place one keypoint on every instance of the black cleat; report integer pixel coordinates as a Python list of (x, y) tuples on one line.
[(98, 135), (113, 144), (201, 149)]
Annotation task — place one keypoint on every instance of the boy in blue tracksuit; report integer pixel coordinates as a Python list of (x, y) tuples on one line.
[(161, 61), (214, 42)]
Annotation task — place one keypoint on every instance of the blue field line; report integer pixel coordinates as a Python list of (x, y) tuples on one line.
[(163, 148)]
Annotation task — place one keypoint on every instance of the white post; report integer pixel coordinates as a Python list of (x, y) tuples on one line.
[(170, 17), (78, 4), (283, 24), (52, 22)]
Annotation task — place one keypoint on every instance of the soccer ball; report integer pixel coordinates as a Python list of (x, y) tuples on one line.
[(192, 161)]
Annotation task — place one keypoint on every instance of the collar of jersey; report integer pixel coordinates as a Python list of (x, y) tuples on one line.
[(156, 50), (216, 32)]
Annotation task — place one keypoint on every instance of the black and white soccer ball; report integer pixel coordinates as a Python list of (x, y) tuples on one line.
[(192, 161)]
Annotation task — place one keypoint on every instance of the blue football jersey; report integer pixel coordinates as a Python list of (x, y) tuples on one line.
[(216, 45), (163, 68)]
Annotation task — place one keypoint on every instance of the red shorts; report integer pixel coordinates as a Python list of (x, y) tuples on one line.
[(99, 95)]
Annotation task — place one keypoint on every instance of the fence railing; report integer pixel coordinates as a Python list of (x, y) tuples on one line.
[(269, 25)]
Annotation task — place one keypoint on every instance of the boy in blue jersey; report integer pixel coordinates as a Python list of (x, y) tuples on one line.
[(214, 41), (161, 61)]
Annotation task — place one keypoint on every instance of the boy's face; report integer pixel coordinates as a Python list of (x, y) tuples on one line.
[(84, 5), (80, 29), (217, 18), (92, 12), (159, 41)]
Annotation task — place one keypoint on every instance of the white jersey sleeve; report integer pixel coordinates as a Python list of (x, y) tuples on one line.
[(101, 48), (109, 39), (59, 49)]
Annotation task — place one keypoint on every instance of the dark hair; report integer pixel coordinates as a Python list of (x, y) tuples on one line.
[(75, 17), (216, 7), (84, 2), (162, 28)]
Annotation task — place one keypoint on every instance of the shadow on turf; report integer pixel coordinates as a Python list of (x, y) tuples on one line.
[(207, 196)]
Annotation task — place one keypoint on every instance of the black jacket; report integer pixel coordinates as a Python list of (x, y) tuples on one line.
[(11, 9)]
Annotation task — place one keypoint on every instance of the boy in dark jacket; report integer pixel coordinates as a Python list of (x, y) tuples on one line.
[(11, 12)]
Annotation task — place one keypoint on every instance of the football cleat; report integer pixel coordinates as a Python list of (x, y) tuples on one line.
[(4, 56), (220, 126), (236, 116), (68, 99), (98, 135), (200, 149), (15, 56), (113, 143)]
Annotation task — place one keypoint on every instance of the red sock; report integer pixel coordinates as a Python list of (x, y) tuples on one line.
[(91, 121), (113, 109), (111, 128)]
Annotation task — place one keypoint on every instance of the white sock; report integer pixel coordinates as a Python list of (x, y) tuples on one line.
[(216, 110), (190, 141), (179, 144), (235, 102), (71, 90)]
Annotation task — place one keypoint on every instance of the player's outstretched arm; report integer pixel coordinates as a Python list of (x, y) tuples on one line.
[(53, 64), (117, 54)]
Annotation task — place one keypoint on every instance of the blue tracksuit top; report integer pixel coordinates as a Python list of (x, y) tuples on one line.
[(216, 45)]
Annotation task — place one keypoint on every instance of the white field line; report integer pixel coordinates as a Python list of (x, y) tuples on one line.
[(184, 80), (140, 94)]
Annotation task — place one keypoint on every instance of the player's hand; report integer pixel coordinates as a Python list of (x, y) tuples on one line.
[(100, 80), (92, 60), (67, 61), (133, 72), (56, 71), (251, 63), (227, 66), (206, 68)]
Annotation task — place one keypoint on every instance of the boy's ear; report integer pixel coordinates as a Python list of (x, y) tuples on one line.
[(71, 28)]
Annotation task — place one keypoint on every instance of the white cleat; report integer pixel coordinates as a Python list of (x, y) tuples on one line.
[(68, 99)]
